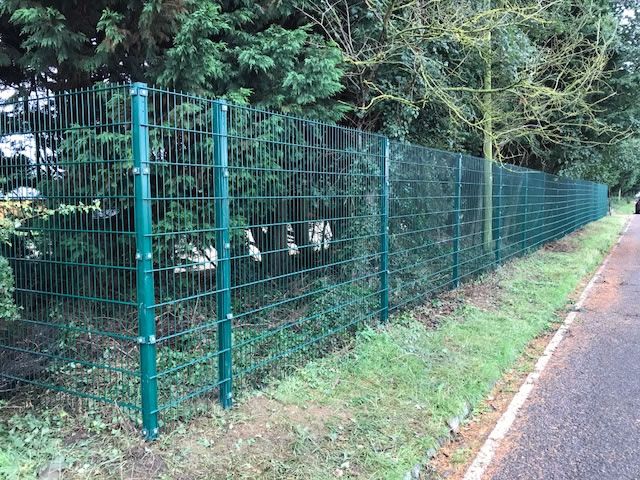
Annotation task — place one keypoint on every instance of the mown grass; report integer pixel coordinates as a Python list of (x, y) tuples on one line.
[(373, 410), (625, 205)]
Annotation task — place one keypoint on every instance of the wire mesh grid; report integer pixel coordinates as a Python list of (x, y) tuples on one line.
[(305, 215), (66, 181), (170, 247)]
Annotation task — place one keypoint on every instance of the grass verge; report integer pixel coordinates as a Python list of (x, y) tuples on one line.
[(625, 205), (374, 410)]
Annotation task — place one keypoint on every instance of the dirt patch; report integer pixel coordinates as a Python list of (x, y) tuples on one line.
[(144, 463), (564, 245), (254, 440), (455, 457), (605, 296), (483, 293), (75, 437), (439, 307), (608, 291), (273, 422)]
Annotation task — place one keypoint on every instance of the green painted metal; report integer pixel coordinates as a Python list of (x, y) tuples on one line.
[(144, 260), (525, 211), (457, 220), (188, 207), (384, 232), (499, 215), (223, 242)]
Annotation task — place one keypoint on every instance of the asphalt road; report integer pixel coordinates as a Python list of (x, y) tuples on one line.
[(582, 420)]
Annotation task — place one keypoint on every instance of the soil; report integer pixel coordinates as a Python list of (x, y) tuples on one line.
[(259, 437), (483, 293), (144, 464)]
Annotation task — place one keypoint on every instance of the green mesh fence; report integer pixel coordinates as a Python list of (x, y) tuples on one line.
[(171, 247), (75, 269)]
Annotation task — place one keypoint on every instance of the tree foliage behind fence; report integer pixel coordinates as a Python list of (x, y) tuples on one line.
[(170, 247)]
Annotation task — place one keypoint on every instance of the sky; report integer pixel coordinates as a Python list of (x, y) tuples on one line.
[(628, 13)]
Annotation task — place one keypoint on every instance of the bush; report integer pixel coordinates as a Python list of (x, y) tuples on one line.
[(8, 309)]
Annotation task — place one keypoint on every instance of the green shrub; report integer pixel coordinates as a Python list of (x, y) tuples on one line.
[(8, 309)]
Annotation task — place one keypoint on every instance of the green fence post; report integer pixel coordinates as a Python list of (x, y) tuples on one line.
[(573, 201), (580, 211), (543, 214), (574, 206), (144, 260), (223, 245), (525, 212), (566, 208), (588, 200), (593, 202), (498, 234), (581, 194), (384, 231), (457, 218)]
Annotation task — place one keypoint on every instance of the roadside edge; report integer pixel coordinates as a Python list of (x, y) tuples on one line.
[(488, 450)]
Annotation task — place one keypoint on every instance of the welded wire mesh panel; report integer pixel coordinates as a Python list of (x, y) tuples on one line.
[(601, 202), (535, 210), (588, 202), (555, 208), (443, 229), (185, 253), (421, 222), (305, 236), (475, 254), (563, 208), (65, 176), (511, 189)]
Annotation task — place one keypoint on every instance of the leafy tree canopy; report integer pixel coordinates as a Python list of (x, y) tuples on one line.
[(564, 73), (247, 51)]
